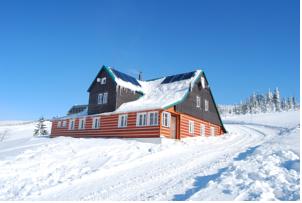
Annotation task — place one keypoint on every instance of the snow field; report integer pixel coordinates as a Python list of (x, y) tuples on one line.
[(258, 159)]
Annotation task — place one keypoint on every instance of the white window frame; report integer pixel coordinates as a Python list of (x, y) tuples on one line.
[(100, 98), (212, 131), (198, 101), (71, 121), (103, 81), (141, 119), (191, 127), (166, 119), (64, 124), (105, 97), (82, 121), (96, 122), (206, 105), (59, 124), (123, 120), (202, 130), (155, 118)]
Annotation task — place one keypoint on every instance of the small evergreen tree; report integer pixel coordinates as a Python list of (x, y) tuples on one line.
[(294, 103), (270, 107), (284, 105), (40, 128), (276, 99)]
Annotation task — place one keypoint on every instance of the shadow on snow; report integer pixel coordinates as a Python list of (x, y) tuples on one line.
[(245, 154), (199, 183)]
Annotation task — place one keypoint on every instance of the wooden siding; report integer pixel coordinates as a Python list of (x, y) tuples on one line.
[(116, 95), (108, 128), (124, 95), (188, 106), (184, 127), (96, 89)]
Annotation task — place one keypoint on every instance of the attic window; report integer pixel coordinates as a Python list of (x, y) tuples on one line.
[(103, 81), (197, 101), (105, 98), (206, 105), (100, 98)]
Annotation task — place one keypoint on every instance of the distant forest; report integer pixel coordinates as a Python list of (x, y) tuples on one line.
[(261, 103)]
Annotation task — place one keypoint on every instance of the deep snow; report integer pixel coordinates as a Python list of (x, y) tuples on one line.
[(259, 159)]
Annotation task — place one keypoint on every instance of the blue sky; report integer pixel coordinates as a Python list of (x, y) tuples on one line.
[(50, 51)]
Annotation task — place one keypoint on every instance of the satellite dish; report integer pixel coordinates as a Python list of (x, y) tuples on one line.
[(98, 80)]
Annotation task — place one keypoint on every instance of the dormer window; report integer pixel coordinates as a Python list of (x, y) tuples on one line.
[(103, 81)]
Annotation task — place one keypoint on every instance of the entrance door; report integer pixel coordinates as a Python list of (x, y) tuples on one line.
[(173, 127)]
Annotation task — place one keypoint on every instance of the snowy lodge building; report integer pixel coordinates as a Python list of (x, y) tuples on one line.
[(176, 106)]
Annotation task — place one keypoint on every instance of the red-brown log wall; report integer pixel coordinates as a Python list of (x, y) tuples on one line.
[(108, 128)]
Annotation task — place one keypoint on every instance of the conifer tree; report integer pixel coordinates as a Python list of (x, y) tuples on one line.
[(40, 128), (276, 99)]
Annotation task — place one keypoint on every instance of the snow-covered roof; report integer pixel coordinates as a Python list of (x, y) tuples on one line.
[(125, 80), (161, 93)]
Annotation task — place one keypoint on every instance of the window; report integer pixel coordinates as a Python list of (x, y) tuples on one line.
[(59, 124), (105, 98), (64, 124), (153, 118), (100, 98), (103, 81), (212, 131), (202, 130), (206, 105), (166, 117), (82, 123), (141, 119), (71, 124), (197, 101), (191, 127), (96, 123), (122, 120)]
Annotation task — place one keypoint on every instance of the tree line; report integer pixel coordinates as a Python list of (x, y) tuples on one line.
[(261, 103)]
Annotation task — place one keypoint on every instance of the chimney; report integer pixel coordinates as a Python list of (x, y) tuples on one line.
[(140, 75)]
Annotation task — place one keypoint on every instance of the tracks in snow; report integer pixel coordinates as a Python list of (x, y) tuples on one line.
[(165, 175)]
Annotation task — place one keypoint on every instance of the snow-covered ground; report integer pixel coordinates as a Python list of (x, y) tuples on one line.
[(259, 159)]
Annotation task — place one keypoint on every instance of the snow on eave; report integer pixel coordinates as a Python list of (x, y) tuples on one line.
[(153, 99), (195, 78), (123, 83)]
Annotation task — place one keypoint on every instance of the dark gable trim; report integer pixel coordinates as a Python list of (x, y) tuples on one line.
[(109, 73)]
